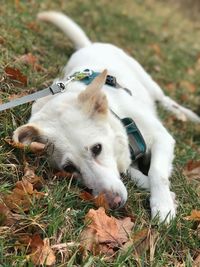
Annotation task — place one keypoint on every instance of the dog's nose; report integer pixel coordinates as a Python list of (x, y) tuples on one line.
[(115, 201)]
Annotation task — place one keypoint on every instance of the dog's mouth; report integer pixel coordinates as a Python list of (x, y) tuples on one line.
[(114, 201), (100, 180)]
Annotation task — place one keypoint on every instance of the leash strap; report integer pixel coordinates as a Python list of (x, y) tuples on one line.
[(86, 76), (53, 89)]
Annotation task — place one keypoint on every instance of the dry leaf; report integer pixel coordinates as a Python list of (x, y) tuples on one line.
[(99, 201), (30, 176), (86, 196), (106, 231), (21, 196), (196, 262), (194, 216), (16, 75), (33, 26), (30, 59), (192, 170), (140, 242), (156, 48), (7, 218), (171, 87), (41, 252), (24, 191), (190, 87), (2, 40), (35, 147)]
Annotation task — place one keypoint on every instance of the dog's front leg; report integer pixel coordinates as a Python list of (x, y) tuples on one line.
[(162, 200)]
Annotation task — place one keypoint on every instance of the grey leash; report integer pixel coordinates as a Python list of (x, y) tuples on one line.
[(51, 90), (59, 87)]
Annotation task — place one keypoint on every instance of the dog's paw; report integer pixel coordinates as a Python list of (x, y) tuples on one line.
[(164, 207)]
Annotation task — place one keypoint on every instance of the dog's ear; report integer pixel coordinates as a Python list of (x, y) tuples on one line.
[(92, 99), (27, 134)]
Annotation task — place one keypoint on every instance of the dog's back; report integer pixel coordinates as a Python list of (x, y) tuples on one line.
[(130, 74)]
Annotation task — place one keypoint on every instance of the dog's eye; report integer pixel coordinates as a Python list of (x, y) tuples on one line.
[(69, 167), (96, 150)]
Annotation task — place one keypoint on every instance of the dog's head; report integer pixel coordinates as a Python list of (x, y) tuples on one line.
[(86, 138)]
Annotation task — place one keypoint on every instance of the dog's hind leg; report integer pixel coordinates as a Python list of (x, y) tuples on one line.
[(180, 112), (157, 94)]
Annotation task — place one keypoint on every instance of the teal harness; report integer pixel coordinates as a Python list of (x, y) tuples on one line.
[(136, 141)]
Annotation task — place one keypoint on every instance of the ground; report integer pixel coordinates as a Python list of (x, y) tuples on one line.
[(165, 40)]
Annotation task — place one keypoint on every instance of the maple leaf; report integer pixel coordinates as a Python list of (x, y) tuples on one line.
[(24, 191), (194, 216), (16, 75), (192, 170), (105, 233), (99, 201), (21, 196), (41, 252)]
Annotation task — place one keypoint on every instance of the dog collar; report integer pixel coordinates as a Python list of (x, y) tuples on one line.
[(136, 140)]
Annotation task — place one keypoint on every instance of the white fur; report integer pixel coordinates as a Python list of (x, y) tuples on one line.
[(72, 132)]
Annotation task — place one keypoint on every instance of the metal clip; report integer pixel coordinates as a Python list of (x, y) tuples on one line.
[(88, 72)]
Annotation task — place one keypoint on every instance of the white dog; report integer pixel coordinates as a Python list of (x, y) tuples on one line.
[(83, 122)]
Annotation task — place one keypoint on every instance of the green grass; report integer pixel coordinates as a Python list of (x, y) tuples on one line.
[(136, 26)]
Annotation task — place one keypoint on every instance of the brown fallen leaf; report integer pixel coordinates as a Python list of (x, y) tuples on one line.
[(2, 40), (30, 59), (86, 196), (29, 174), (171, 87), (99, 201), (196, 262), (190, 87), (140, 242), (7, 218), (103, 230), (192, 170), (41, 252), (35, 147), (16, 75), (21, 196), (156, 48), (33, 26), (194, 216)]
